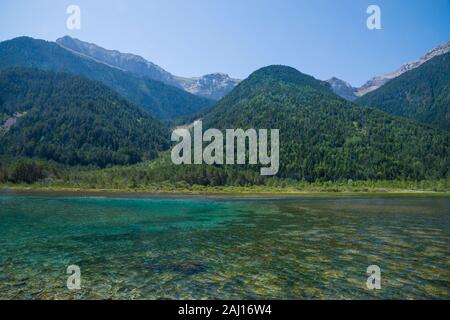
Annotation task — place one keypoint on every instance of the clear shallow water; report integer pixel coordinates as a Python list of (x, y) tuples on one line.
[(206, 248)]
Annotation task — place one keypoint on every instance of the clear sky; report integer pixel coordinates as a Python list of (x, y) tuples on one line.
[(323, 38)]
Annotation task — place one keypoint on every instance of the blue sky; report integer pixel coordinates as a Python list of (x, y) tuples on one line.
[(323, 38)]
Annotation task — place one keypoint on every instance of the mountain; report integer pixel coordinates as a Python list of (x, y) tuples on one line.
[(125, 61), (378, 81), (158, 99), (326, 138), (212, 86), (422, 94), (343, 89), (73, 120), (346, 91)]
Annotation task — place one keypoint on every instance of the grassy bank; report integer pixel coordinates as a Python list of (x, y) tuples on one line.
[(161, 176), (360, 187)]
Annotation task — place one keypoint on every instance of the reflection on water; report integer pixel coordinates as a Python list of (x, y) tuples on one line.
[(206, 248)]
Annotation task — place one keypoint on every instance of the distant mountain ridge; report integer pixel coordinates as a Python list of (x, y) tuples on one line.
[(212, 86), (378, 81), (343, 89), (125, 61), (217, 85), (346, 91), (163, 101)]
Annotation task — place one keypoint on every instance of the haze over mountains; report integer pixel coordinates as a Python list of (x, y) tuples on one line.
[(212, 86), (217, 85), (378, 81), (348, 92), (343, 89), (162, 101)]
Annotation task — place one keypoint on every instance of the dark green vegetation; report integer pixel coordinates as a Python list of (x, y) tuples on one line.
[(160, 175), (159, 172), (79, 125), (422, 94), (160, 100), (19, 170), (325, 138), (27, 171), (73, 120)]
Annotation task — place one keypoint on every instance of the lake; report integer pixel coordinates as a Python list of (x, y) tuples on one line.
[(198, 247)]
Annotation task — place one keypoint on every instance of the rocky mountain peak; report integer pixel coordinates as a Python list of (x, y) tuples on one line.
[(212, 86), (378, 81), (342, 88)]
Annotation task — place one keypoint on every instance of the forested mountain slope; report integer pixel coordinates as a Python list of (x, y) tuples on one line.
[(73, 120), (422, 94), (158, 99), (324, 137)]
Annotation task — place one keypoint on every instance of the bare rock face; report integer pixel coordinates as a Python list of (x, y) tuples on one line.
[(346, 91), (343, 89), (125, 61), (10, 122), (378, 81), (213, 86)]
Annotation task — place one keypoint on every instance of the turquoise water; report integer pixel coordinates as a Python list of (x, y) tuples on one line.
[(224, 248)]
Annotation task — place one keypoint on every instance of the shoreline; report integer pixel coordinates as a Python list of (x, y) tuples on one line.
[(242, 192)]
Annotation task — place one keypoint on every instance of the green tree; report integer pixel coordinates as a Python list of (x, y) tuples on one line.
[(27, 171)]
